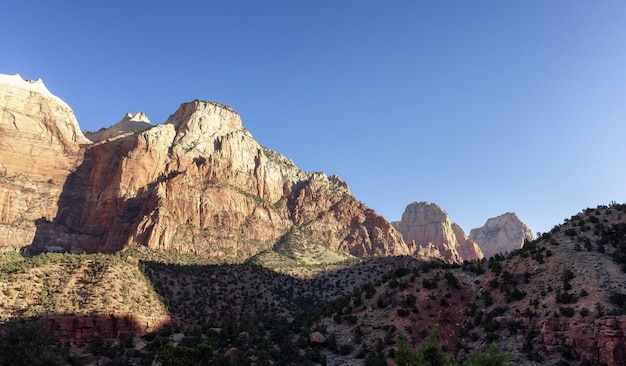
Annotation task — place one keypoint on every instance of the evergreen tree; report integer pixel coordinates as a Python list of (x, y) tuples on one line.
[(431, 354), (404, 354), (493, 357)]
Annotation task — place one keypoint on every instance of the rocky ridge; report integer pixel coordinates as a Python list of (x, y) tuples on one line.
[(199, 183), (425, 225), (501, 234)]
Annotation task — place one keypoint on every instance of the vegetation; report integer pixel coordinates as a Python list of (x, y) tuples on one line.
[(53, 283), (431, 354), (297, 248), (372, 309), (493, 357), (30, 343)]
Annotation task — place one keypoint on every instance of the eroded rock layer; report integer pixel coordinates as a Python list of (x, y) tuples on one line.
[(199, 183)]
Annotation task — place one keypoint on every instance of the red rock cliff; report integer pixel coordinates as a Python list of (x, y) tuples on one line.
[(199, 183)]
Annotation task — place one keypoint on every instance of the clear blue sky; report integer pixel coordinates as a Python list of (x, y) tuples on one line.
[(482, 107)]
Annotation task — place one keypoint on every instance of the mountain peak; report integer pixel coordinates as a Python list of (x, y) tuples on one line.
[(501, 234), (137, 117), (129, 123), (427, 225)]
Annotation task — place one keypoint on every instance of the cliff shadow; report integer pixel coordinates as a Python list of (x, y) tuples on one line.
[(92, 216)]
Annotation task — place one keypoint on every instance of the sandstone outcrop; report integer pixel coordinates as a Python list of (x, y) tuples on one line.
[(199, 183), (317, 338), (81, 329), (40, 144), (501, 234), (426, 225), (599, 341)]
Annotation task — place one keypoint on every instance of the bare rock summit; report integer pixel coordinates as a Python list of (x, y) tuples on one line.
[(129, 123), (425, 225), (501, 234)]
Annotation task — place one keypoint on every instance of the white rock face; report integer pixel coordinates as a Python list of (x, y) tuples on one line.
[(129, 123), (501, 234), (36, 129), (40, 142), (427, 225), (36, 86)]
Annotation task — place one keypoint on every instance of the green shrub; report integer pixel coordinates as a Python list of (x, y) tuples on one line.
[(570, 232), (566, 311), (402, 312), (429, 284)]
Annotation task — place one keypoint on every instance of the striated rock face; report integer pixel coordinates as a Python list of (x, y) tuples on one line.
[(199, 183), (40, 144), (599, 341), (129, 123), (501, 234), (427, 225)]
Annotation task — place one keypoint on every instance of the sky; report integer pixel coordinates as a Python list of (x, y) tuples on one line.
[(482, 107)]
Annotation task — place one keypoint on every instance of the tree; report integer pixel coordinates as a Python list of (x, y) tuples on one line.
[(202, 354), (493, 357), (404, 354), (431, 354), (30, 343)]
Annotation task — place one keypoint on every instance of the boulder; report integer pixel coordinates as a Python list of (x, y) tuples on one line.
[(317, 338)]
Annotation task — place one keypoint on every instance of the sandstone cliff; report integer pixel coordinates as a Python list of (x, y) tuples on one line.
[(199, 183), (501, 234), (40, 143), (425, 225)]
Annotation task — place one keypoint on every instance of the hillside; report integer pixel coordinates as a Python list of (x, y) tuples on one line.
[(559, 299)]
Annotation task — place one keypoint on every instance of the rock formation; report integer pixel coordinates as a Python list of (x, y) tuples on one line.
[(199, 183), (501, 234), (40, 144), (424, 225), (129, 123), (599, 341)]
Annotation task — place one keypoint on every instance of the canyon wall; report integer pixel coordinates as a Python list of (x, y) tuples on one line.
[(198, 183)]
